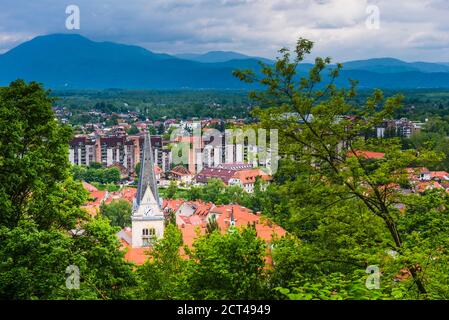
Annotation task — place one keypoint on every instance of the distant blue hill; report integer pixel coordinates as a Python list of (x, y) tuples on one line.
[(219, 56), (390, 65), (74, 62)]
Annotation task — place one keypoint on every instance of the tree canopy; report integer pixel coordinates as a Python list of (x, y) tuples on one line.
[(345, 207), (43, 230)]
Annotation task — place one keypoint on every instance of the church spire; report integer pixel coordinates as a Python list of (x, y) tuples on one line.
[(147, 218), (147, 177)]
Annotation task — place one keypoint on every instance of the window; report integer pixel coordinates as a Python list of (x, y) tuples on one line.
[(148, 236), (148, 232)]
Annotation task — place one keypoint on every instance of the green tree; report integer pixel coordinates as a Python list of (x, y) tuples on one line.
[(104, 271), (212, 225), (171, 190), (133, 130), (213, 191), (43, 230), (229, 266), (151, 130), (110, 175), (170, 218), (118, 212), (33, 160), (195, 193), (323, 131), (160, 128), (95, 165), (163, 276), (96, 174), (137, 168)]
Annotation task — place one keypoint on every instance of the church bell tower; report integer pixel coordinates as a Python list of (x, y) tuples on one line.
[(147, 216)]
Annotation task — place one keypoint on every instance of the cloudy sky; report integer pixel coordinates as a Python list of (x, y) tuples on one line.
[(413, 30)]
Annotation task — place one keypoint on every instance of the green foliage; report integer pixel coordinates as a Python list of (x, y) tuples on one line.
[(33, 159), (133, 130), (229, 266), (154, 105), (212, 225), (171, 190), (220, 266), (34, 263), (94, 174), (118, 212), (431, 139), (137, 168), (105, 272), (170, 218), (337, 286), (164, 274), (342, 207), (40, 208), (217, 192)]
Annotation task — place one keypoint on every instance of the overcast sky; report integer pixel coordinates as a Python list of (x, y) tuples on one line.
[(412, 30)]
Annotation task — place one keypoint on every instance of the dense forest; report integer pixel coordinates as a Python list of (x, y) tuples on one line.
[(160, 105), (156, 105)]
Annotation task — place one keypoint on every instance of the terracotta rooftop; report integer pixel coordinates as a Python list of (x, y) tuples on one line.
[(249, 176), (439, 175), (89, 187), (367, 154), (428, 185), (181, 171), (172, 204), (157, 169), (127, 194), (195, 225)]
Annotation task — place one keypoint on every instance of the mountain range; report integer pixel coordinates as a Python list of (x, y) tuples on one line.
[(219, 56), (72, 61)]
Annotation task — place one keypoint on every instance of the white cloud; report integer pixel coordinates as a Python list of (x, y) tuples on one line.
[(411, 30)]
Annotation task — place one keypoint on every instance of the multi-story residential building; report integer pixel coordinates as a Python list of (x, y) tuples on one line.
[(83, 150), (117, 150), (114, 149), (398, 127)]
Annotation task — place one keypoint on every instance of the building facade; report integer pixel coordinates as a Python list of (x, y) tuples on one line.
[(147, 217), (122, 150)]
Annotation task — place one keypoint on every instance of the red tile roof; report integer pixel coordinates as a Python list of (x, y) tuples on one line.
[(243, 216), (202, 208), (367, 154), (127, 194), (190, 232), (417, 170), (172, 204), (428, 185), (157, 169), (439, 175), (89, 187), (180, 171), (195, 225), (136, 255), (249, 176)]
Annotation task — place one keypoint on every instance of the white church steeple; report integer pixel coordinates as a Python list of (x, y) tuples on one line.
[(148, 217)]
